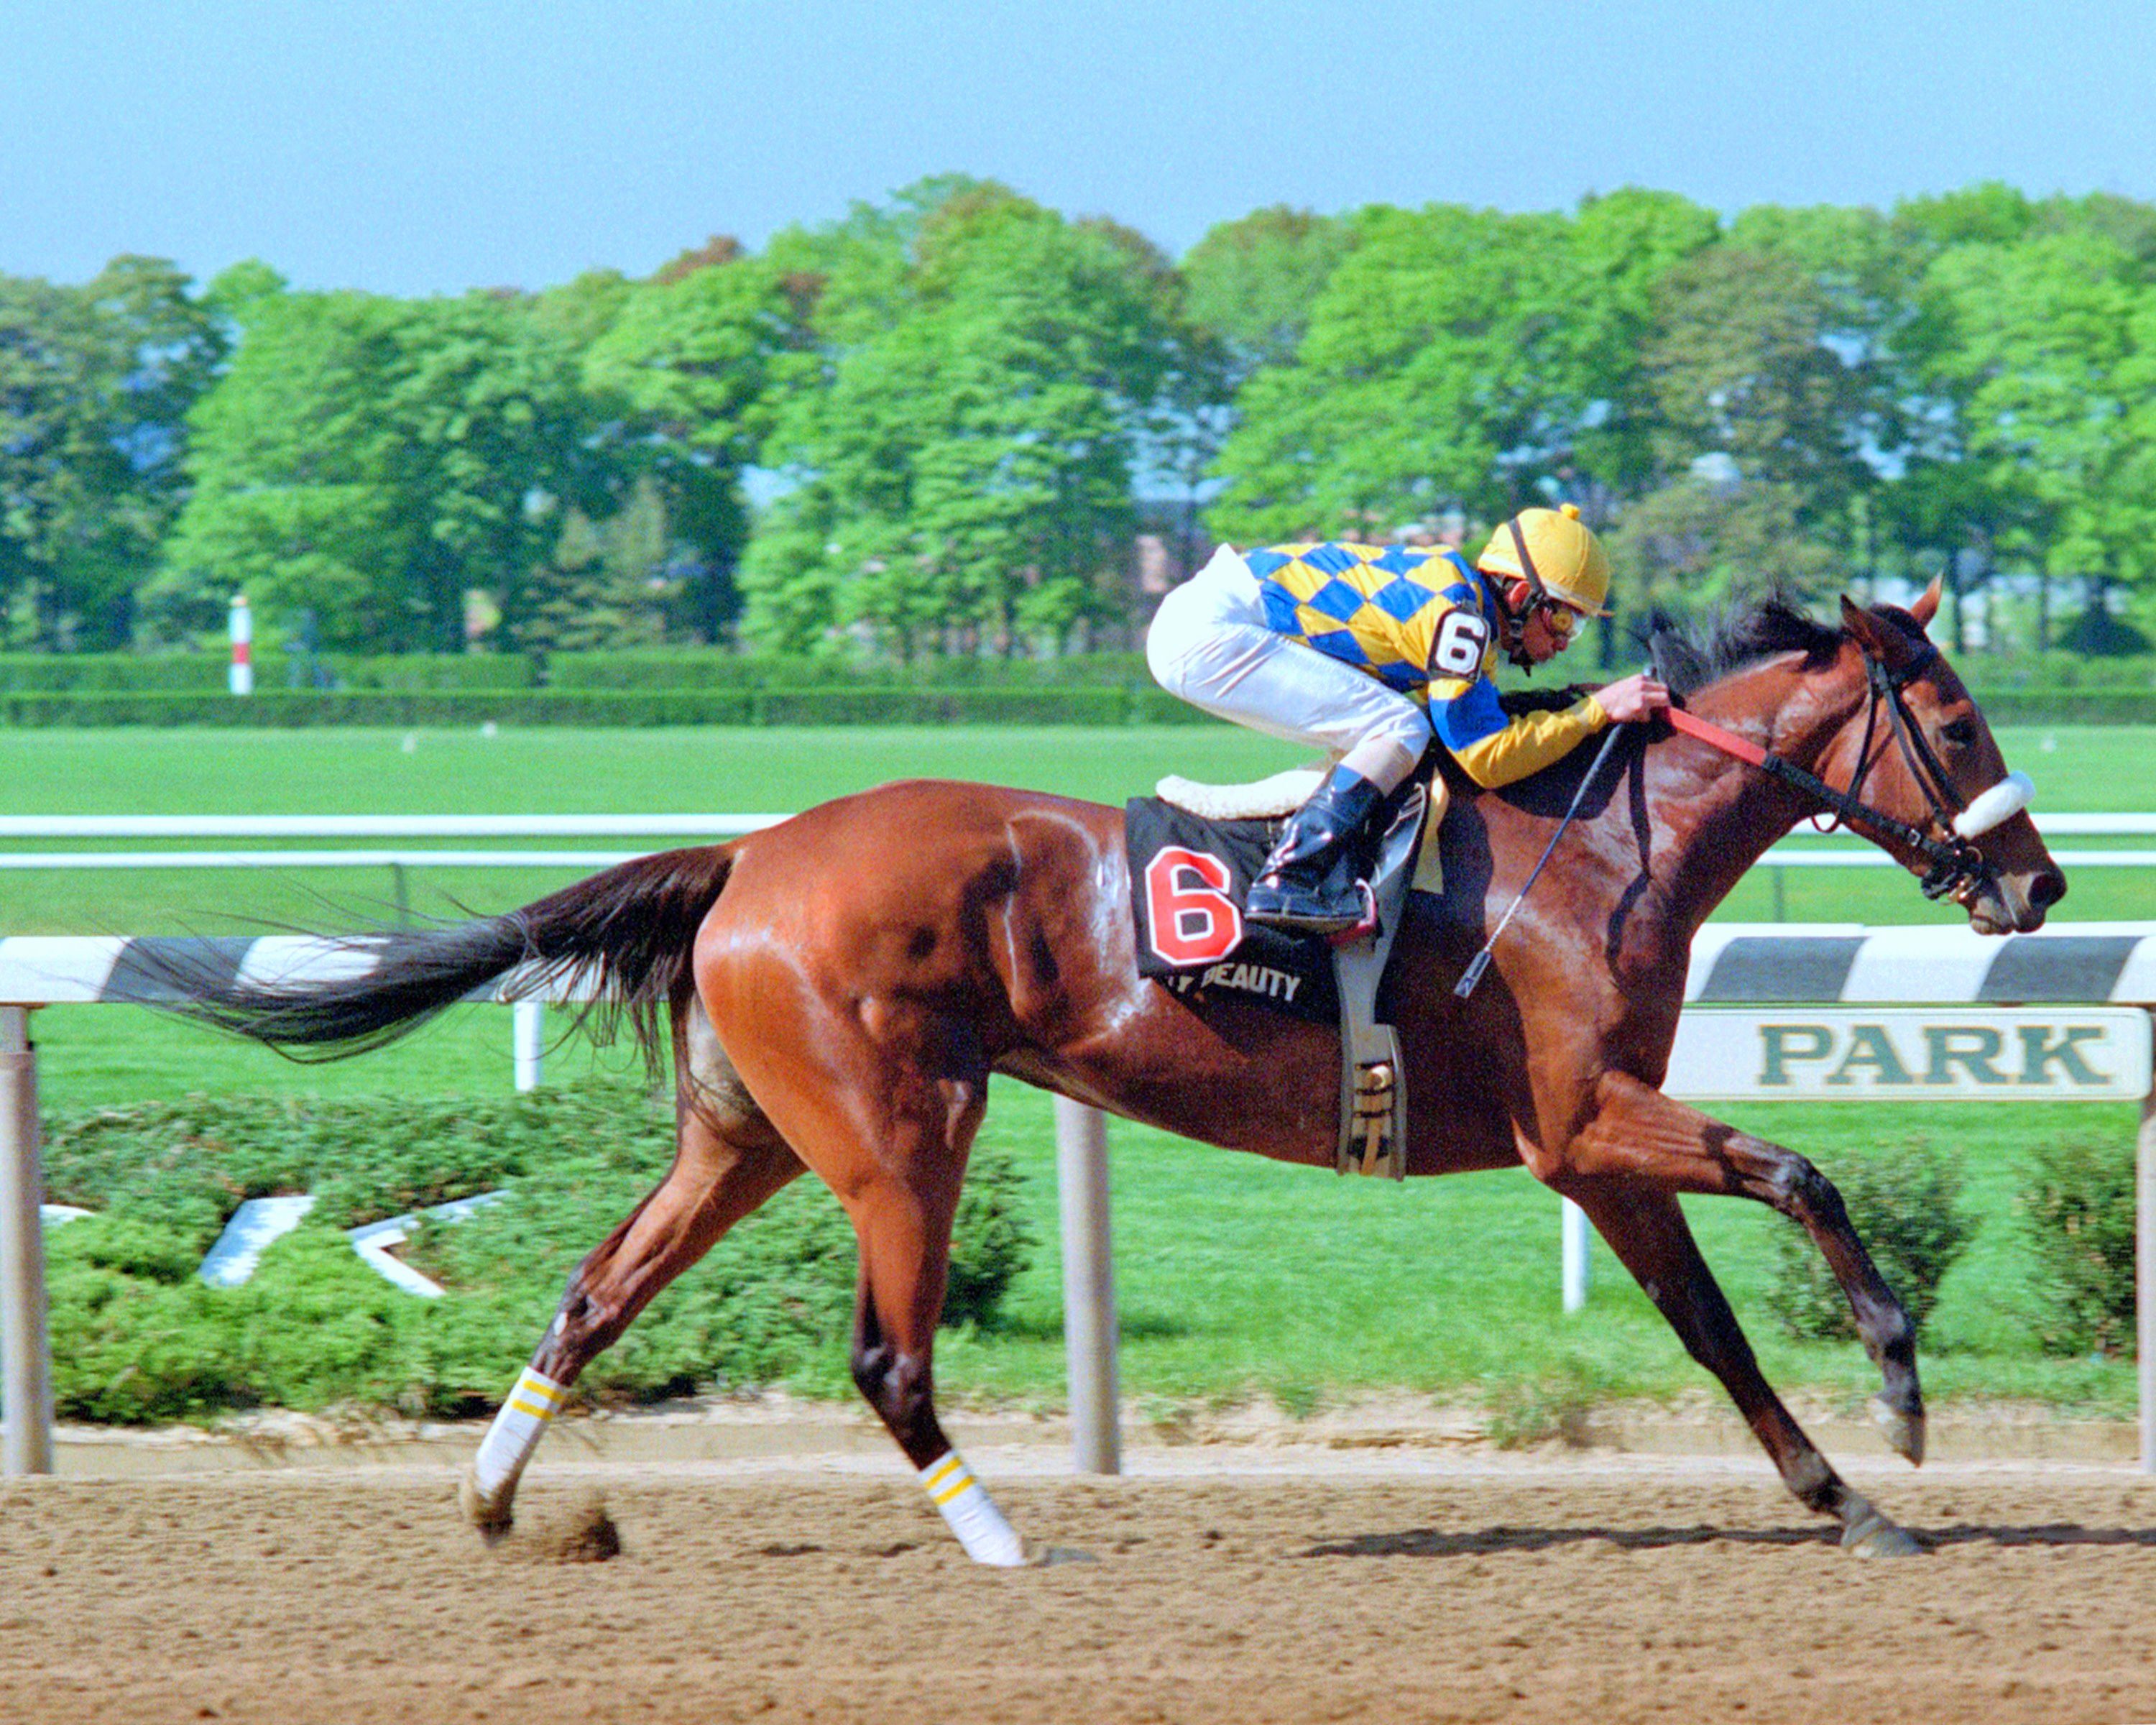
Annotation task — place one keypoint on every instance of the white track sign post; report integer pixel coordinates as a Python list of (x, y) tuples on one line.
[(2144, 1274), (528, 1034), (1089, 1286), (1578, 1245), (26, 1363), (242, 646)]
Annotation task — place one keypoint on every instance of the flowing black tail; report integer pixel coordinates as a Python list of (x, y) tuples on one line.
[(620, 943)]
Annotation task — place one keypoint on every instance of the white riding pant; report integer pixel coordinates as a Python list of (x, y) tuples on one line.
[(1209, 645)]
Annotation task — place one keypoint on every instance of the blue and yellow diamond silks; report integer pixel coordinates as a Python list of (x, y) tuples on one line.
[(1375, 607)]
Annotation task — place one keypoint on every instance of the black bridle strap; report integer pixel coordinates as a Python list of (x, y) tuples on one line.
[(1956, 865), (1845, 805), (1923, 762)]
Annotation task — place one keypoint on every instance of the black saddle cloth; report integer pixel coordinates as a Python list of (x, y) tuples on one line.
[(1188, 879)]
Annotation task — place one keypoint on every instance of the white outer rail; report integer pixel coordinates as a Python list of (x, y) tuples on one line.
[(383, 826), (599, 826)]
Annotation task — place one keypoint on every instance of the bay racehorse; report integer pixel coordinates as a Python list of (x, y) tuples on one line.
[(837, 990)]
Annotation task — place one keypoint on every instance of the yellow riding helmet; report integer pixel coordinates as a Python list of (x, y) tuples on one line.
[(1554, 552)]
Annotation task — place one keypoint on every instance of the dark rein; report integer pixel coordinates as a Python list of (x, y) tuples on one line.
[(1957, 864)]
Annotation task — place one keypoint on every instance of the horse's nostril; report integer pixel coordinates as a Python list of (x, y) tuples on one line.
[(2047, 889)]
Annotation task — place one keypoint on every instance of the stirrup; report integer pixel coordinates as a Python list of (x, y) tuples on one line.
[(1333, 923), (1366, 926)]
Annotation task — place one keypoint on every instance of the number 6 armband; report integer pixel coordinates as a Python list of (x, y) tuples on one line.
[(1461, 640)]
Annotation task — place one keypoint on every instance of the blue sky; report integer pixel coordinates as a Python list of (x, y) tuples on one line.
[(421, 146)]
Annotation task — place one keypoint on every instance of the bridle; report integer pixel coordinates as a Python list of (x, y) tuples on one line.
[(1959, 870)]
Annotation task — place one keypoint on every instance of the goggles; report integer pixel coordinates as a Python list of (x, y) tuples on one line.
[(1559, 618)]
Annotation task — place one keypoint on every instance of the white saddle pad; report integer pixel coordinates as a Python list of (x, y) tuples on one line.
[(1283, 794)]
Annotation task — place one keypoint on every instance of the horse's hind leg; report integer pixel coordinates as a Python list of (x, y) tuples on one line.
[(883, 1103), (904, 1227), (1648, 1231), (727, 1161)]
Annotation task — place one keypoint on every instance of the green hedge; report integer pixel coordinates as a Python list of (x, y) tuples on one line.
[(273, 708), (708, 667), (2077, 1210), (208, 673), (136, 1336), (707, 686), (2068, 706)]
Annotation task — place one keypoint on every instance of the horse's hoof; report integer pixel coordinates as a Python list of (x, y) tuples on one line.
[(1048, 1556), (1869, 1534), (493, 1519), (1904, 1432)]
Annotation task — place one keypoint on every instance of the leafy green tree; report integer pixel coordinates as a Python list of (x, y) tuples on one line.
[(961, 459), (299, 494), (608, 583), (2048, 347), (1251, 282), (372, 460), (688, 358), (95, 382), (1459, 358), (1762, 420)]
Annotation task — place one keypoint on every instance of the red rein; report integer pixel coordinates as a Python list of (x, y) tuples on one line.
[(1728, 741)]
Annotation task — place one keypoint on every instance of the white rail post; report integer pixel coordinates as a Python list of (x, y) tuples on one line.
[(241, 627), (1089, 1286), (1577, 1242), (2145, 1273), (528, 1021), (26, 1360)]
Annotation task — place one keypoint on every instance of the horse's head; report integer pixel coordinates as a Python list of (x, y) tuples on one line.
[(1923, 754)]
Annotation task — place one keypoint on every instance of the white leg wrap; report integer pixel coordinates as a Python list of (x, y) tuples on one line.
[(971, 1513), (516, 1430)]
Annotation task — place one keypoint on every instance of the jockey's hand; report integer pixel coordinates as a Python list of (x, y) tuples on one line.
[(1634, 698)]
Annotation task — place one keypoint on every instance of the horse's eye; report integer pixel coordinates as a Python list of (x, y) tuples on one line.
[(1960, 732)]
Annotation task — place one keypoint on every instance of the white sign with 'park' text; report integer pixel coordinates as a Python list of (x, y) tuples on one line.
[(1919, 1054)]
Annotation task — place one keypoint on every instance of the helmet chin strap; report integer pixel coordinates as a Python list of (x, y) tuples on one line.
[(1530, 588), (1519, 599)]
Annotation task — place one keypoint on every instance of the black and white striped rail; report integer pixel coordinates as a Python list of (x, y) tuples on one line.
[(2079, 963), (1734, 963)]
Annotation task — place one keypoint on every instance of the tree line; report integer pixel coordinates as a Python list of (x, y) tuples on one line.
[(941, 423)]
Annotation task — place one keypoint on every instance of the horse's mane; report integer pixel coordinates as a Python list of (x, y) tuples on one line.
[(1691, 654)]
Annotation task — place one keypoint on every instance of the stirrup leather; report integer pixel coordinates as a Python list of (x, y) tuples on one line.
[(1373, 1090)]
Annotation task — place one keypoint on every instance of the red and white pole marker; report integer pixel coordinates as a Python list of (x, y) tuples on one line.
[(242, 646)]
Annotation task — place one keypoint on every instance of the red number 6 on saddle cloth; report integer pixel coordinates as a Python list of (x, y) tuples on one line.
[(1190, 921)]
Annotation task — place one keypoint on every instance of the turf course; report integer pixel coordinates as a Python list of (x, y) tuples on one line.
[(1234, 1275)]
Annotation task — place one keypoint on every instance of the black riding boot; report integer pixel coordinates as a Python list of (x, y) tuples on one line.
[(1308, 885)]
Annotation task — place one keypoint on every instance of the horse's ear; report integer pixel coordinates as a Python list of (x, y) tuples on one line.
[(1926, 606), (1886, 641), (1871, 633)]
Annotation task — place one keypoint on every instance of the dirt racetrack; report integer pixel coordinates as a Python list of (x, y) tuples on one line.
[(1230, 1584)]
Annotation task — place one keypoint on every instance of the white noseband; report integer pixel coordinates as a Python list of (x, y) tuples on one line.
[(2000, 803)]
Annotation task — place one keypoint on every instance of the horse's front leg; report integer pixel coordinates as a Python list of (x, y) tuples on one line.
[(1640, 1133), (1648, 1231)]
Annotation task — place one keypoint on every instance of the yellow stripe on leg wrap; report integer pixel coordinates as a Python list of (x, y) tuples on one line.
[(971, 1513), (517, 1429)]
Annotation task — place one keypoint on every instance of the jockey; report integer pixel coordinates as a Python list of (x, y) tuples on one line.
[(1365, 651)]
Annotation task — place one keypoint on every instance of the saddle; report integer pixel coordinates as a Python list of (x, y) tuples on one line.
[(1194, 851)]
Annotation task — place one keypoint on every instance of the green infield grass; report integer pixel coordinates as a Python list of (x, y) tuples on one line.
[(2107, 769)]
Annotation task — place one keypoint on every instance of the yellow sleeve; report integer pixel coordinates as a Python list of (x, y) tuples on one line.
[(1530, 743)]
